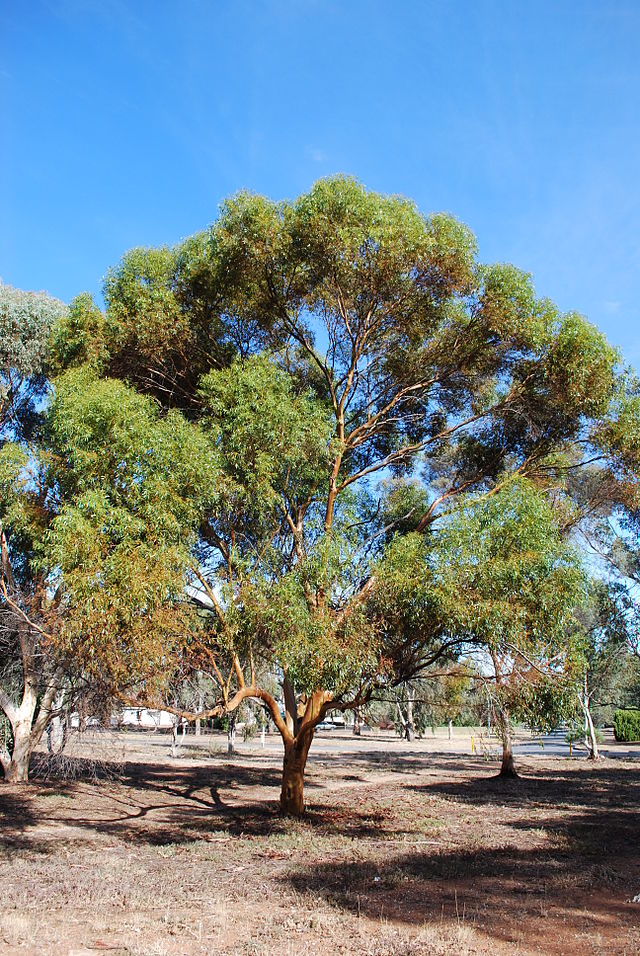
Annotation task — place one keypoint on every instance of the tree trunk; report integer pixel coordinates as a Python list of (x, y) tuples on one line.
[(507, 770), (17, 770), (411, 728), (590, 738), (57, 733), (295, 759), (594, 753), (198, 721), (231, 735), (26, 733), (174, 740), (450, 730), (356, 723)]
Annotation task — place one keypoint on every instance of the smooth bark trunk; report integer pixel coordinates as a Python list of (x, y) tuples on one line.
[(408, 730), (295, 759), (174, 741), (26, 730), (356, 724), (57, 733), (590, 735), (231, 735), (507, 770), (17, 770), (411, 729)]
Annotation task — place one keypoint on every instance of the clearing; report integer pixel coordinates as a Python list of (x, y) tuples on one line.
[(406, 849)]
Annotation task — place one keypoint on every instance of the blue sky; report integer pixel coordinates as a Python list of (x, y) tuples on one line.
[(126, 122)]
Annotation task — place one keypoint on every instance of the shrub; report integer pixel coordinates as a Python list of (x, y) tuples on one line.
[(626, 725)]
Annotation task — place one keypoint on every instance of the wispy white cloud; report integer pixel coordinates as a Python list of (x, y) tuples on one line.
[(611, 307), (317, 155)]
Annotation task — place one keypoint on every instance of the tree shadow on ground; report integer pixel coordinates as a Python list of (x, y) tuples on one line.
[(402, 761), (167, 803), (17, 818), (161, 805), (585, 871), (594, 786), (509, 893)]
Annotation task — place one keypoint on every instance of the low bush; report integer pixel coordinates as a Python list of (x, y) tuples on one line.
[(626, 725)]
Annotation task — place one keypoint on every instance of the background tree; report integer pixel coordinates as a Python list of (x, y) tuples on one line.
[(611, 677), (26, 321), (31, 679), (98, 524), (510, 588), (431, 700)]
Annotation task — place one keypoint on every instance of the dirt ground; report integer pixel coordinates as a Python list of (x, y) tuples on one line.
[(403, 851)]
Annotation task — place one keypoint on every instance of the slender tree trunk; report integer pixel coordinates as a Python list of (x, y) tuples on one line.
[(174, 739), (507, 770), (590, 739), (295, 759), (231, 735), (410, 730), (594, 752), (356, 723), (57, 733), (198, 722), (450, 730)]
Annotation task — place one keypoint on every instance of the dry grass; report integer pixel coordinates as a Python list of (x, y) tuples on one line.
[(408, 854)]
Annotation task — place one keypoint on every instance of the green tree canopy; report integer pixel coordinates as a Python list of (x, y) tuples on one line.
[(327, 346), (26, 319)]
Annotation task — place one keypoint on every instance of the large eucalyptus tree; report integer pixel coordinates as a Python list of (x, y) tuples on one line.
[(324, 346)]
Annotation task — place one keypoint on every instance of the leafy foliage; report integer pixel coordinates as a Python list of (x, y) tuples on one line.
[(131, 484), (511, 585), (26, 319), (626, 725), (505, 571)]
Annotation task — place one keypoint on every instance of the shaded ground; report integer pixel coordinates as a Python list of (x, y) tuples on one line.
[(416, 853)]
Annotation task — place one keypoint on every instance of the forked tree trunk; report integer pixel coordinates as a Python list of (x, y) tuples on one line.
[(26, 731), (297, 728), (295, 759), (507, 770), (407, 725)]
